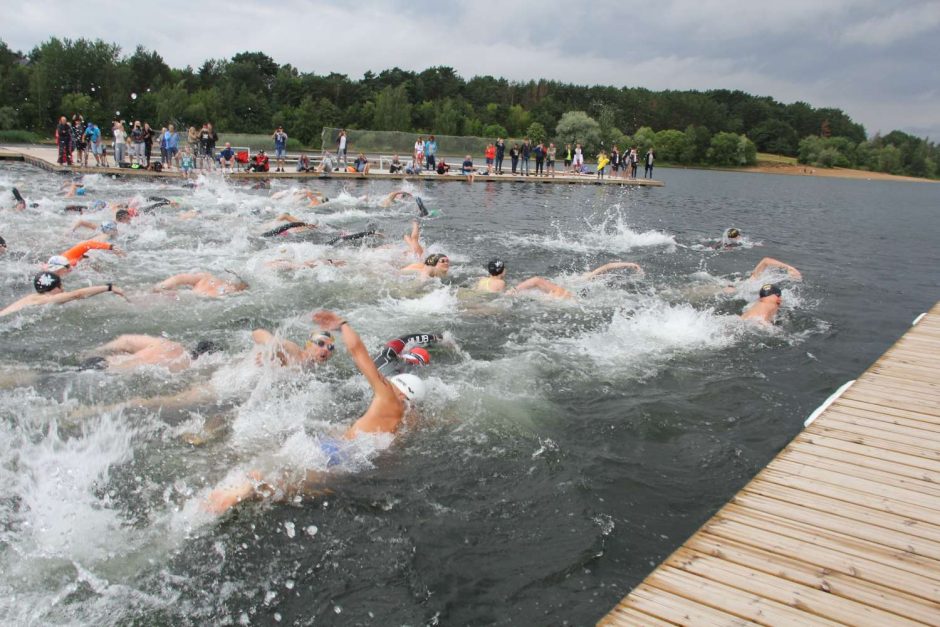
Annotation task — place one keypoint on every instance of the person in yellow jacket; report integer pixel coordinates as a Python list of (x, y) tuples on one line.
[(602, 161)]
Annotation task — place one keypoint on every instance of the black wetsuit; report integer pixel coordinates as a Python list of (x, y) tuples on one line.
[(351, 236), (284, 227), (388, 361)]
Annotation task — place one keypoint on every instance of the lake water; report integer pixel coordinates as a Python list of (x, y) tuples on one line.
[(566, 448)]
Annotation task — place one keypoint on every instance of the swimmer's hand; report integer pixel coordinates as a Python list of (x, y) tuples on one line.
[(118, 251), (327, 320), (794, 273), (120, 293)]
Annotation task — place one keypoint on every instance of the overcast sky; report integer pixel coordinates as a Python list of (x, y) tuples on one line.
[(878, 60)]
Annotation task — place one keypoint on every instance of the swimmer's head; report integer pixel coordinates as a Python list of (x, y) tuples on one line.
[(205, 346), (46, 282), (496, 267), (3, 245), (321, 344), (98, 205), (417, 357), (122, 215), (435, 259), (733, 233), (58, 262), (768, 289), (108, 227), (80, 191), (411, 387)]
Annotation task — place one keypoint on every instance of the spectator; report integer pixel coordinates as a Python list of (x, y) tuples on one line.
[(490, 155), (341, 146), (614, 161), (525, 156), (164, 154), (568, 156), (650, 157), (602, 161), (205, 140), (63, 139), (514, 157), (539, 152), (303, 162), (577, 163), (148, 143), (187, 161), (326, 164), (172, 139), (227, 158), (430, 152), (120, 138), (78, 140), (261, 163), (442, 167), (396, 167), (280, 148), (419, 151), (413, 167), (93, 139), (137, 143), (467, 168), (500, 153), (361, 164), (192, 141), (634, 162), (550, 159), (213, 140)]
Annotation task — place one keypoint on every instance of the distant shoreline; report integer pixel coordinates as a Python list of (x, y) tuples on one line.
[(771, 167)]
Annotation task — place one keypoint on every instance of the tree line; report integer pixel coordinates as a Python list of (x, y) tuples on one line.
[(252, 93)]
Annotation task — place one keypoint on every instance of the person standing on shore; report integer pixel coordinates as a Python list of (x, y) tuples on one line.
[(120, 137), (550, 159), (172, 139), (650, 157), (500, 154), (490, 155), (526, 154), (514, 157), (280, 148), (63, 139), (430, 153), (634, 162), (341, 146)]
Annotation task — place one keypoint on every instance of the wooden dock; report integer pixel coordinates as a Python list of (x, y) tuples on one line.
[(45, 158), (841, 528)]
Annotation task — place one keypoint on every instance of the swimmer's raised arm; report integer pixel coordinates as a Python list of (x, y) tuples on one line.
[(414, 240), (330, 321), (770, 262), (614, 265)]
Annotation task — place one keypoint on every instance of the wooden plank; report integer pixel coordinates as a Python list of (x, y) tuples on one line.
[(678, 610), (874, 482), (852, 490), (729, 599), (902, 383), (921, 422), (834, 583), (914, 430), (806, 454), (888, 401), (816, 440), (814, 602), (852, 545), (623, 616), (890, 411), (820, 551), (897, 540), (873, 442), (858, 508), (879, 434)]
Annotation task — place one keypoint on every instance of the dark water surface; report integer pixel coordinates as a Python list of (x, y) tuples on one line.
[(568, 446)]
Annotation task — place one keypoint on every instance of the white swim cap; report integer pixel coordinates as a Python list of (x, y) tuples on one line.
[(411, 386)]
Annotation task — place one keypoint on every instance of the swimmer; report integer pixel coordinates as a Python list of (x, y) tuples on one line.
[(75, 188), (731, 238), (155, 202), (49, 291), (556, 291), (3, 245), (393, 399), (395, 196), (768, 262), (290, 225), (20, 201), (202, 283), (108, 228), (496, 281), (317, 349), (350, 237), (405, 353), (434, 266), (764, 310), (78, 252), (314, 198), (128, 352)]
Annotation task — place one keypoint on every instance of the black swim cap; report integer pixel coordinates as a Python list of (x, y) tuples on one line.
[(768, 290), (496, 267), (18, 196), (94, 363), (121, 214), (3, 242), (205, 346), (732, 233), (46, 282)]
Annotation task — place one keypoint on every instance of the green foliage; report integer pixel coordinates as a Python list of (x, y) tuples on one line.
[(731, 149), (536, 132), (251, 92), (19, 137), (577, 127)]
